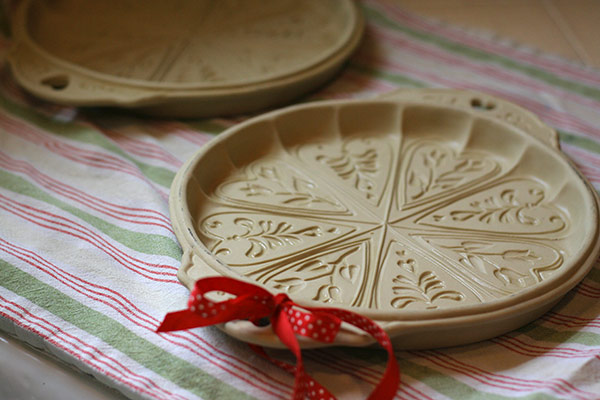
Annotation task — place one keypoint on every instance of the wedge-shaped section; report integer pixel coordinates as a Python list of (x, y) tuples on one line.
[(277, 186), (517, 206), (413, 279), (361, 166), (433, 170), (496, 267), (335, 275), (240, 238)]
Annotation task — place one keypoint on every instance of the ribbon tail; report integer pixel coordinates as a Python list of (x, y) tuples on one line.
[(281, 364), (389, 383), (314, 390), (283, 329), (178, 320)]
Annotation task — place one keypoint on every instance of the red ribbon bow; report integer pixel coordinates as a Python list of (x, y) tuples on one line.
[(287, 319)]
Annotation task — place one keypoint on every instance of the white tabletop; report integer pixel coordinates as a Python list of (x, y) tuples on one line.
[(26, 373)]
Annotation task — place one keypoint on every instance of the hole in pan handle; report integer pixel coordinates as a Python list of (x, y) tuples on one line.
[(478, 104), (485, 104), (56, 82)]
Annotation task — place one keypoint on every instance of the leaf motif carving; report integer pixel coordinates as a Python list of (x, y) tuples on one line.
[(406, 263), (510, 277), (448, 295), (279, 184), (254, 236), (290, 285), (315, 266), (269, 235), (509, 265), (329, 277), (521, 255), (328, 294), (518, 206), (403, 301), (348, 272), (435, 169), (505, 208), (254, 189), (425, 287), (358, 168)]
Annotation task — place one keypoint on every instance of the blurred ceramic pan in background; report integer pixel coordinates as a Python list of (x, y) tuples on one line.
[(185, 58), (448, 217)]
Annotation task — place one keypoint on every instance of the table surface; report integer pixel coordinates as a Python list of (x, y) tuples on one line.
[(34, 375)]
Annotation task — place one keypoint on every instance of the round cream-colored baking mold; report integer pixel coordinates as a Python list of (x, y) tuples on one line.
[(185, 58), (448, 217)]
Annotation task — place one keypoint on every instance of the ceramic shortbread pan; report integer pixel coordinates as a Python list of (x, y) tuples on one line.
[(185, 58), (448, 217)]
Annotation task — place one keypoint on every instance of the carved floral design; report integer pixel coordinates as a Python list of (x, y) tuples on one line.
[(433, 169), (413, 286), (328, 278), (265, 235), (362, 165), (357, 168), (505, 208), (242, 238), (515, 206), (504, 265), (269, 182)]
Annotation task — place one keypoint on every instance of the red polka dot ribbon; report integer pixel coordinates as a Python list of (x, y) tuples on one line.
[(287, 319)]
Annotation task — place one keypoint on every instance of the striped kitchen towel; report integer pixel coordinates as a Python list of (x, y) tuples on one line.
[(88, 257)]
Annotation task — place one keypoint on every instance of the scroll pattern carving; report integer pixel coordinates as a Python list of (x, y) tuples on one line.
[(479, 230)]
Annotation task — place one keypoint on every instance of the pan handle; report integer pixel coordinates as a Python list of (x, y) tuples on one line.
[(484, 104), (40, 74)]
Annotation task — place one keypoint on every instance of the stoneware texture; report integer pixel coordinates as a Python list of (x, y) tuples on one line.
[(187, 58), (449, 217)]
